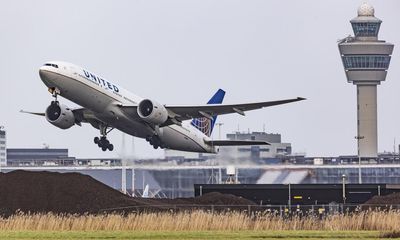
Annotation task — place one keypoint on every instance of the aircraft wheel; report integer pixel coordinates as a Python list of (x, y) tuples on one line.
[(103, 142), (104, 148), (110, 147), (96, 140)]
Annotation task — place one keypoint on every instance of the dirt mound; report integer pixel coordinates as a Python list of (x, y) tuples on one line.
[(56, 192), (77, 193), (389, 199)]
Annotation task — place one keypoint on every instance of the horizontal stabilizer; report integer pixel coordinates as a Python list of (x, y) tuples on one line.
[(235, 142)]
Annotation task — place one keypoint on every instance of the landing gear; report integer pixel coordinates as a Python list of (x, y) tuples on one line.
[(103, 142), (54, 92), (155, 141)]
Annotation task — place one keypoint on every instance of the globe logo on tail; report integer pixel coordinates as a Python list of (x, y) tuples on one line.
[(206, 125)]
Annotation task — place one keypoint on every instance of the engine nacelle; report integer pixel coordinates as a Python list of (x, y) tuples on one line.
[(152, 112), (60, 115)]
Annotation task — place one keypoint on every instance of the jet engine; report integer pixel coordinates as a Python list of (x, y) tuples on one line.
[(60, 115), (152, 112)]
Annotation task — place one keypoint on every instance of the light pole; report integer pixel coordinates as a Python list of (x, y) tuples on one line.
[(290, 199), (219, 129), (344, 188), (219, 124), (359, 138)]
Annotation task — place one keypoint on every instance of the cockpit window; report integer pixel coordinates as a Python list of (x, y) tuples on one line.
[(51, 65)]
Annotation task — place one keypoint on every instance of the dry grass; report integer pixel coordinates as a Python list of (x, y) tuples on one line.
[(201, 221)]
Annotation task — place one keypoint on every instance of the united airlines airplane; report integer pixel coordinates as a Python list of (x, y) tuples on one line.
[(107, 106)]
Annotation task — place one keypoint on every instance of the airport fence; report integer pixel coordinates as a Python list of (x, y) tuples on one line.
[(277, 210)]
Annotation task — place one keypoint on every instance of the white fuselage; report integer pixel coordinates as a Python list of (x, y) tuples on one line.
[(103, 98)]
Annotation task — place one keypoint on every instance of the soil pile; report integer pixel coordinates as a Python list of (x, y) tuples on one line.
[(57, 192), (389, 199), (77, 193)]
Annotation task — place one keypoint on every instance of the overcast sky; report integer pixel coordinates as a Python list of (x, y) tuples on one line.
[(181, 52)]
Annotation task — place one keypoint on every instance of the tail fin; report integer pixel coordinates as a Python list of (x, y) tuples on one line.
[(204, 124)]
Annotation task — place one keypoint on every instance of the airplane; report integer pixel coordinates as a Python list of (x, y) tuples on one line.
[(107, 106)]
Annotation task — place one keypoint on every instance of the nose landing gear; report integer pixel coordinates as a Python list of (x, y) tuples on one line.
[(54, 92), (103, 142)]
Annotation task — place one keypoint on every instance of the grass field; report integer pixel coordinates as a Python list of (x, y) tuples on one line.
[(190, 235)]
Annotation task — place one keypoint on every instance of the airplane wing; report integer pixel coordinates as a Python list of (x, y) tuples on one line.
[(85, 115), (188, 112), (235, 142), (81, 115), (178, 114)]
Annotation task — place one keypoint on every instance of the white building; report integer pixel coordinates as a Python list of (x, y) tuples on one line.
[(276, 148), (3, 147)]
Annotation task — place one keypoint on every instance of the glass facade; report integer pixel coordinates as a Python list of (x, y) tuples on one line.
[(369, 175), (366, 29), (366, 61)]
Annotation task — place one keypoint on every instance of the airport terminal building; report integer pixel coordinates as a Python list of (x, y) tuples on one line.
[(261, 154)]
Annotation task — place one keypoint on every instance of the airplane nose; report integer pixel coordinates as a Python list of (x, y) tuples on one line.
[(42, 73), (45, 75)]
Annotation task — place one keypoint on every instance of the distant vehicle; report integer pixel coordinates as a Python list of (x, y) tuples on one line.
[(107, 106)]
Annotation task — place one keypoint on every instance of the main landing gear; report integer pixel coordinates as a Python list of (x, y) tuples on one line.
[(103, 142), (155, 141)]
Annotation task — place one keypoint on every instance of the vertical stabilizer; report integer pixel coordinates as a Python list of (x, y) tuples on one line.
[(204, 124)]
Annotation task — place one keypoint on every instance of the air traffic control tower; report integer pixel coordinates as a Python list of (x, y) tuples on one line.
[(366, 61)]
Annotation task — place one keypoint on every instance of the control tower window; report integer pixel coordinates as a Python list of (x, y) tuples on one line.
[(366, 29), (366, 61), (51, 65)]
